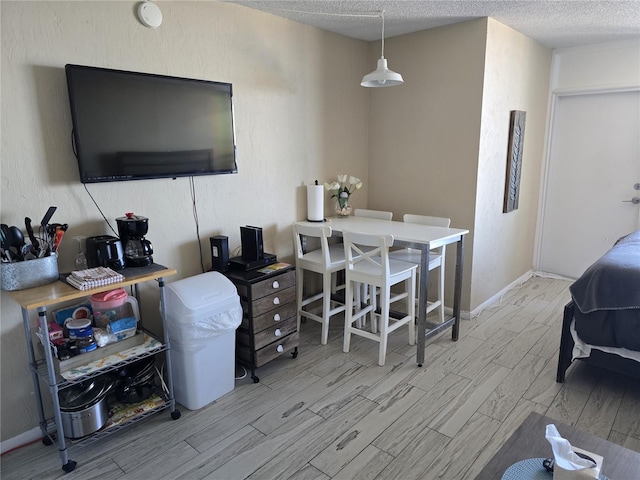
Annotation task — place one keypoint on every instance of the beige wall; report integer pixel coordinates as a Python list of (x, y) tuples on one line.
[(296, 121), (424, 136), (516, 77), (439, 143)]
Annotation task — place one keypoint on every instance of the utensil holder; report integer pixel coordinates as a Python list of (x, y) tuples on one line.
[(29, 273)]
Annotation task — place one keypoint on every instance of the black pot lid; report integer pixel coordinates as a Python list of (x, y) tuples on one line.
[(85, 394)]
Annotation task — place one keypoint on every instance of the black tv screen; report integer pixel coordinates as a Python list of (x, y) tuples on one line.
[(134, 126)]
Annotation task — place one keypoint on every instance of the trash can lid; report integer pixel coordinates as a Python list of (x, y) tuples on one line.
[(200, 292)]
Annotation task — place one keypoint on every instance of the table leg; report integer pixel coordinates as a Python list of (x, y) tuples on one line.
[(422, 304), (457, 291)]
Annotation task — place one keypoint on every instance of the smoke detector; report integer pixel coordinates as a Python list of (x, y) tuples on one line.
[(149, 14)]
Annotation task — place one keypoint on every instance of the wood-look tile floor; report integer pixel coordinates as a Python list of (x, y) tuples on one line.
[(327, 414)]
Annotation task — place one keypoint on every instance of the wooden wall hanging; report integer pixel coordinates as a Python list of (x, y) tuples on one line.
[(514, 161)]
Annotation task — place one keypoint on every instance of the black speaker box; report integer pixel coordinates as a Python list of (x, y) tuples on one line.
[(219, 253), (252, 247)]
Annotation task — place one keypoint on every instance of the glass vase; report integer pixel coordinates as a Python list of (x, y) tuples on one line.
[(343, 209)]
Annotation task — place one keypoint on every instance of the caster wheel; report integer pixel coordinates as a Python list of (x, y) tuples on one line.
[(255, 379), (419, 364), (294, 354), (175, 414), (70, 466), (47, 441)]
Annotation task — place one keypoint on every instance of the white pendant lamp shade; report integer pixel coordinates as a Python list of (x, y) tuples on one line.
[(382, 76)]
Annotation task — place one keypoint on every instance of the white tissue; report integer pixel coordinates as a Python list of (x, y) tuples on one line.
[(562, 451), (568, 465)]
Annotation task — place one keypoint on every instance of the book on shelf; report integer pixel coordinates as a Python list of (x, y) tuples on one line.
[(93, 277), (274, 267)]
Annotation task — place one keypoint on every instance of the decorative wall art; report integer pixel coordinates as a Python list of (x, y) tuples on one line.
[(514, 161)]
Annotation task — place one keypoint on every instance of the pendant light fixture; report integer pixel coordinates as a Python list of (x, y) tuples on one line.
[(382, 76)]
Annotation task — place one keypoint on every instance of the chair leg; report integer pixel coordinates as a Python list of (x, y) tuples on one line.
[(384, 325), (411, 309), (326, 307), (441, 293), (348, 316), (299, 290), (373, 299)]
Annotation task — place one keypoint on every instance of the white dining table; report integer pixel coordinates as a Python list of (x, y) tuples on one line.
[(423, 238)]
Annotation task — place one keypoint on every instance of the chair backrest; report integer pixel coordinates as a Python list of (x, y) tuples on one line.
[(321, 232), (382, 215), (427, 220), (372, 260)]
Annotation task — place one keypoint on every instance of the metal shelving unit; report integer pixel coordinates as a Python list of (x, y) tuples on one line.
[(39, 298)]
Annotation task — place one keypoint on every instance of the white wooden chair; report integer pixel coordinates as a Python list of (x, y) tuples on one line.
[(363, 293), (436, 258), (368, 263), (381, 214), (326, 261)]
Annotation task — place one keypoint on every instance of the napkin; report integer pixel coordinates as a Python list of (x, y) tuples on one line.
[(569, 465)]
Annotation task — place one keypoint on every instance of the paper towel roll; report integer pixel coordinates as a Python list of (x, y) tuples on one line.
[(315, 203)]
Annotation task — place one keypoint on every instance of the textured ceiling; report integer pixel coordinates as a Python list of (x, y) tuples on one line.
[(553, 23)]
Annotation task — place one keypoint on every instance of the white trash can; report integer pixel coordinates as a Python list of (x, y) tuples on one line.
[(203, 313)]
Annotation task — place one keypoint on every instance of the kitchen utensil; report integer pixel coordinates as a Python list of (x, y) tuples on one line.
[(17, 237), (32, 237), (5, 235), (47, 216), (57, 238)]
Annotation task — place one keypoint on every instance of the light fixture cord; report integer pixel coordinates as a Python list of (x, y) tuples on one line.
[(382, 14)]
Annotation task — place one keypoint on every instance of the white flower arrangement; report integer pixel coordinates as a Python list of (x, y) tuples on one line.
[(342, 190)]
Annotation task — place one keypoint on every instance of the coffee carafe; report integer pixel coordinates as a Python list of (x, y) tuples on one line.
[(137, 250)]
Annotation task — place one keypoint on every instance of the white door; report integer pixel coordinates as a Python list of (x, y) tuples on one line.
[(594, 164)]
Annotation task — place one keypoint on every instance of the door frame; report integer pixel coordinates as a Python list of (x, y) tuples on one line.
[(546, 161)]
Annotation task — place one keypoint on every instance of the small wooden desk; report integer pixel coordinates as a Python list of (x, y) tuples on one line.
[(528, 441), (423, 238)]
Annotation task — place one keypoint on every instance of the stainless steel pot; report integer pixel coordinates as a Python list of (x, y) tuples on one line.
[(84, 407)]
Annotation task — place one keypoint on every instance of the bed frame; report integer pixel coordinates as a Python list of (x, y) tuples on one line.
[(610, 361)]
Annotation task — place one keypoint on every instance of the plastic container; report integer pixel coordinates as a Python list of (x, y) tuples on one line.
[(111, 306), (79, 328), (203, 313)]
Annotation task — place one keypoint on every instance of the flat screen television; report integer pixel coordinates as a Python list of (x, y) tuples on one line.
[(134, 126)]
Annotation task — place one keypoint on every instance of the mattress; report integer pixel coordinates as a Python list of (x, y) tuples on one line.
[(582, 349), (609, 328), (607, 298)]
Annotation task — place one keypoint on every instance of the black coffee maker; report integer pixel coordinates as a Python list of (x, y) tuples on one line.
[(137, 250)]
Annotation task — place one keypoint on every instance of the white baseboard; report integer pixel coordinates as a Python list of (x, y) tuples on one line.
[(519, 281), (20, 440)]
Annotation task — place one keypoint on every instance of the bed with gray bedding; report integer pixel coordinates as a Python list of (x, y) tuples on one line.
[(604, 312)]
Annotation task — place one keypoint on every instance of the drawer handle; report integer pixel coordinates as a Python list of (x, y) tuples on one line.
[(280, 349), (276, 284), (276, 317), (278, 333), (276, 301)]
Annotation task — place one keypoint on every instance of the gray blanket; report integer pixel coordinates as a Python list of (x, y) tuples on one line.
[(612, 282)]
